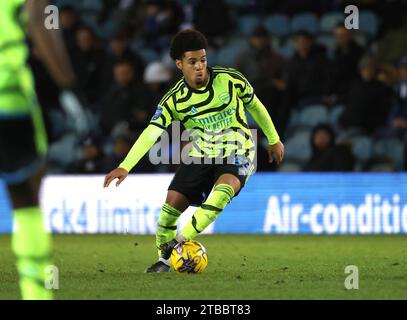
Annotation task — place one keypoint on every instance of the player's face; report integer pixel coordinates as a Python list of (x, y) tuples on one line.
[(194, 67)]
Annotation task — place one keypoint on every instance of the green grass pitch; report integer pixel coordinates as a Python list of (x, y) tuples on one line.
[(240, 267)]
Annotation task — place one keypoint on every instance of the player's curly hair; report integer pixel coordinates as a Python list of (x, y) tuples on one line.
[(187, 40)]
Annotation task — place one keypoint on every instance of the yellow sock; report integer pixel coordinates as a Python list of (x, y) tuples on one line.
[(31, 245), (167, 225), (208, 211)]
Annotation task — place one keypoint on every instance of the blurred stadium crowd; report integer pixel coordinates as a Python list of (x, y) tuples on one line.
[(338, 97)]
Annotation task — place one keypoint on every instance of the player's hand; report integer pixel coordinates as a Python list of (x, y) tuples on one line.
[(118, 173), (276, 152), (74, 109)]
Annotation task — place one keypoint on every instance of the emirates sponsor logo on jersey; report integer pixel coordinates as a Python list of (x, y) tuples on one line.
[(217, 121)]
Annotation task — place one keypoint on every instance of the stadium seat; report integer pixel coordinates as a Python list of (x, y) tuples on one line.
[(330, 20), (277, 24), (227, 55), (312, 115), (148, 55), (362, 148), (286, 50), (62, 3), (393, 148), (293, 120), (247, 23), (237, 3), (60, 124), (212, 56), (368, 23), (90, 19), (328, 42), (91, 5), (298, 147), (237, 41), (305, 21), (334, 114), (63, 152), (107, 29)]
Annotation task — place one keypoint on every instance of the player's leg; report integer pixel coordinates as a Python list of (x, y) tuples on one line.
[(225, 188), (174, 205), (21, 166), (31, 243)]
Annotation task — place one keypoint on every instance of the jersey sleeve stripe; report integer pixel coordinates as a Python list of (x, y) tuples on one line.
[(240, 87), (162, 117), (238, 75), (171, 92), (166, 106), (250, 101), (11, 44), (10, 89), (248, 95), (238, 117)]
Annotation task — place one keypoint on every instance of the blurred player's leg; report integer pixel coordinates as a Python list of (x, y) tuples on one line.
[(23, 141), (31, 243), (20, 166)]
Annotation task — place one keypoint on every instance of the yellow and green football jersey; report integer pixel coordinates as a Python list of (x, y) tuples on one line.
[(215, 114), (17, 91), (16, 85)]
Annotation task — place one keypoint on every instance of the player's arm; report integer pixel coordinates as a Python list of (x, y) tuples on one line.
[(49, 43), (160, 121), (53, 53), (262, 118)]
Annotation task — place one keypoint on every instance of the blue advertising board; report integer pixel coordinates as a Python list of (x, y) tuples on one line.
[(5, 209), (278, 203)]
